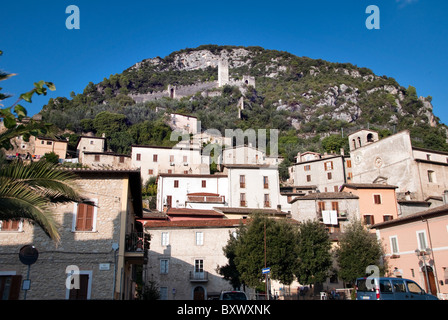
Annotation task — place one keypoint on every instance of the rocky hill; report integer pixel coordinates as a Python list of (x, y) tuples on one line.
[(306, 99)]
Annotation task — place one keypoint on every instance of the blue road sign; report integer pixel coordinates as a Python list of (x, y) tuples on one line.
[(266, 270)]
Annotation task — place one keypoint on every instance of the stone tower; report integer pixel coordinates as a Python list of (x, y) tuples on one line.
[(223, 72)]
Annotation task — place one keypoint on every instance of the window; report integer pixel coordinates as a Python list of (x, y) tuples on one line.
[(385, 286), (204, 183), (85, 215), (176, 183), (387, 217), (349, 175), (199, 238), (164, 265), (171, 158), (139, 157), (394, 245), (329, 176), (185, 171), (265, 182), (9, 225), (368, 220), (266, 201), (421, 238), (308, 178), (431, 176), (321, 205), (349, 163), (121, 159), (398, 285), (150, 171), (97, 158), (49, 143), (307, 167), (198, 266), (185, 158), (377, 198), (242, 200), (335, 188), (163, 293), (242, 181), (328, 165), (165, 238), (335, 206), (154, 158), (414, 288)]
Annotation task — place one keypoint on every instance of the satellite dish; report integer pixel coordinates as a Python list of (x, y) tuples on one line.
[(28, 255)]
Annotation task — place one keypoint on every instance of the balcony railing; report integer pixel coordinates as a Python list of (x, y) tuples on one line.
[(198, 276), (136, 242), (216, 199)]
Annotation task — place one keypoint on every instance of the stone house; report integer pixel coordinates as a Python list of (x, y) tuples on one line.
[(106, 160), (334, 209), (326, 172), (90, 144), (101, 242), (184, 256)]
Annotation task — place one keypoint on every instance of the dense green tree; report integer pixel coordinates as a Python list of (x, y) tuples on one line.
[(313, 252), (247, 254), (109, 123), (358, 248)]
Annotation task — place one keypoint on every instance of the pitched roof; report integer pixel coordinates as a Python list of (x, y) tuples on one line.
[(192, 212), (368, 186), (213, 223), (325, 195), (440, 210), (249, 210)]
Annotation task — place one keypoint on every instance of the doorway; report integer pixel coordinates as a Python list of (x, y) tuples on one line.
[(431, 288), (199, 293)]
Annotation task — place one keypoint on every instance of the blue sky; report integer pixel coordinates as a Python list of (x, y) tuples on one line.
[(410, 46)]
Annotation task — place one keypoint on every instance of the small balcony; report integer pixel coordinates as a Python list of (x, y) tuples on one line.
[(198, 276), (206, 198), (136, 244)]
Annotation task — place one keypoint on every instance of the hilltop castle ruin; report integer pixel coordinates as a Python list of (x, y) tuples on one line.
[(206, 88)]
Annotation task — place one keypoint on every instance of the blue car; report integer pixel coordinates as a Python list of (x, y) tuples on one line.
[(390, 289)]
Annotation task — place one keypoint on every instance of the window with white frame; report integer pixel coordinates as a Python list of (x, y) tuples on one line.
[(421, 239), (199, 238), (164, 265), (165, 238), (163, 293), (394, 245), (84, 215)]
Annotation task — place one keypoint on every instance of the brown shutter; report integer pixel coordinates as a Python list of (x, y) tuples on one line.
[(89, 217), (80, 216)]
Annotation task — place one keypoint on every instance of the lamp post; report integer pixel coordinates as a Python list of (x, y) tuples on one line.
[(423, 254)]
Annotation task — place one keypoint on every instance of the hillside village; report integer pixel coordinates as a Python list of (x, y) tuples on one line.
[(395, 189), (205, 187)]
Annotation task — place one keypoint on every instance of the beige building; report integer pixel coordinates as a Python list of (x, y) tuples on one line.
[(327, 173), (106, 160), (90, 144), (101, 242), (47, 145)]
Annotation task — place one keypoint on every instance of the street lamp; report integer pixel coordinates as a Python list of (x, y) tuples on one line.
[(423, 254)]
